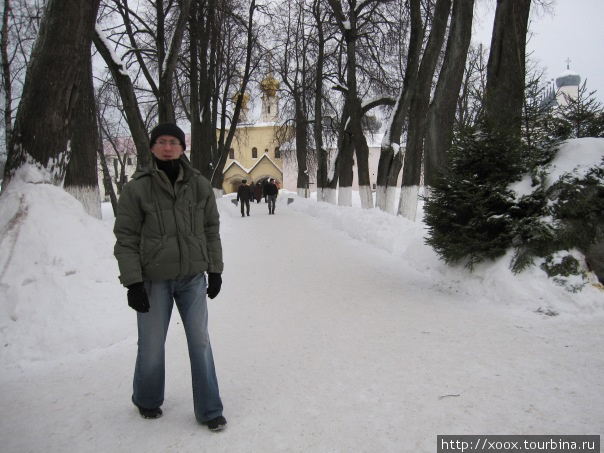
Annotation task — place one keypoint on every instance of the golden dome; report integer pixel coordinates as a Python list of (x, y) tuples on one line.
[(244, 101), (270, 85)]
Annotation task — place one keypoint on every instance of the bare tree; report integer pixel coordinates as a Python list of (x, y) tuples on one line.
[(391, 155), (42, 126), (321, 153), (141, 48), (106, 178), (167, 61), (222, 57), (81, 178), (294, 44), (441, 114), (470, 100), (204, 57), (117, 148), (362, 25), (20, 24), (153, 40), (226, 135), (128, 96), (173, 60), (418, 111), (6, 78), (506, 68)]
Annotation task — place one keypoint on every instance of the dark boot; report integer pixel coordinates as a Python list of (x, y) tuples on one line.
[(216, 424), (155, 412)]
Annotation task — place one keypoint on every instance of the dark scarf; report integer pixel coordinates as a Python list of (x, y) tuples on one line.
[(170, 167)]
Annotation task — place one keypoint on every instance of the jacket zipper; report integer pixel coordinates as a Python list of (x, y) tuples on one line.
[(192, 214)]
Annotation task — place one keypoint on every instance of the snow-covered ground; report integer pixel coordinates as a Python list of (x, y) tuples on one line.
[(337, 330)]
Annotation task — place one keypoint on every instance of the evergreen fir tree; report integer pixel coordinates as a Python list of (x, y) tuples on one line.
[(581, 116), (538, 142), (474, 215), (578, 207), (468, 212)]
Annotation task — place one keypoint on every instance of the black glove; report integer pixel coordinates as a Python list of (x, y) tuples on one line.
[(137, 297), (214, 284)]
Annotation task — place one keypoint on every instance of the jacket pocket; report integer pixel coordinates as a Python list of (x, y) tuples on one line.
[(197, 214), (151, 256), (201, 240)]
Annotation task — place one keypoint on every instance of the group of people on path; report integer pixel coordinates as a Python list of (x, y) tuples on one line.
[(246, 193)]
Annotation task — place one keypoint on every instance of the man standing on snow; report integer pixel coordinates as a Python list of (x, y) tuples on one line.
[(271, 191), (167, 231)]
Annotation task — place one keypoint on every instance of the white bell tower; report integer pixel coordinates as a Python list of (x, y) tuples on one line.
[(270, 100)]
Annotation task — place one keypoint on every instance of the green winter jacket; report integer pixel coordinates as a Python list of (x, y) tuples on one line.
[(166, 232)]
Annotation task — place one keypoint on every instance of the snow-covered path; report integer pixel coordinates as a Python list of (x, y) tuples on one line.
[(324, 344)]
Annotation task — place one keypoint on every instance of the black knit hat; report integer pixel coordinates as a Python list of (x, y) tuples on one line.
[(168, 129)]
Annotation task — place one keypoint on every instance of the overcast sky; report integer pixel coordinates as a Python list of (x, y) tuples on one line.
[(573, 30)]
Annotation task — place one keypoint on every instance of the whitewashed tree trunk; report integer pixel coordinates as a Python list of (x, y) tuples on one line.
[(408, 202), (380, 198), (390, 200), (90, 198), (345, 196), (330, 195), (320, 194), (366, 197), (385, 199), (390, 163), (82, 177)]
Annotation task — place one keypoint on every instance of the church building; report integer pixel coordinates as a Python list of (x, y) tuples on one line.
[(566, 87), (255, 153)]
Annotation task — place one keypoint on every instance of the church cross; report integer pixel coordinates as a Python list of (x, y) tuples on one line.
[(567, 63)]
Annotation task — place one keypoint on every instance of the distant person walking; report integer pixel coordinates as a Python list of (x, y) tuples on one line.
[(252, 197), (167, 239), (258, 192), (271, 192), (264, 184), (244, 194)]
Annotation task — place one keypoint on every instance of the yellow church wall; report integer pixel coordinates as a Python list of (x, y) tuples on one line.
[(232, 179), (266, 169), (244, 165)]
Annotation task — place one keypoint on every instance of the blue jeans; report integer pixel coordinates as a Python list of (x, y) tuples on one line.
[(149, 375)]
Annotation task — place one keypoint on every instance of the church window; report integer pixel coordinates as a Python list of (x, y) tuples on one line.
[(232, 154), (277, 153), (254, 153)]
